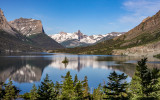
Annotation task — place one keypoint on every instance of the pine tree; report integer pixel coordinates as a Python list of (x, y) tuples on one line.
[(135, 88), (117, 86), (10, 91), (97, 93), (86, 94), (33, 93), (58, 89), (157, 93), (67, 87), (53, 94), (154, 86), (75, 80), (46, 90), (1, 91), (78, 91), (146, 82)]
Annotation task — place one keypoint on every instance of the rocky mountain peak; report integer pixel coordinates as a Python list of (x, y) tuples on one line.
[(4, 25), (1, 12), (80, 35), (79, 39), (27, 26), (146, 19), (63, 33), (2, 18)]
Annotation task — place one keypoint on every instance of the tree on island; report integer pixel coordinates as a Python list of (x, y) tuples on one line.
[(65, 60)]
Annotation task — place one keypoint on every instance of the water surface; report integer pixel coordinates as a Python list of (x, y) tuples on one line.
[(26, 69)]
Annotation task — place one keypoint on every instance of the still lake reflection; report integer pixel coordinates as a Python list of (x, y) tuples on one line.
[(31, 68)]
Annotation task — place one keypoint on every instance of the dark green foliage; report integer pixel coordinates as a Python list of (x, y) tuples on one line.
[(86, 94), (147, 82), (78, 90), (1, 90), (67, 87), (33, 93), (116, 86), (11, 91), (98, 93), (26, 96), (157, 56), (65, 60), (75, 80), (46, 90), (58, 89)]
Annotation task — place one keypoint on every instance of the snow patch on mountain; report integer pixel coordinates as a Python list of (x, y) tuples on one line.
[(63, 36)]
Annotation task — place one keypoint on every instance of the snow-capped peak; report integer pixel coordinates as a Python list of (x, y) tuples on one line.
[(63, 36), (79, 37)]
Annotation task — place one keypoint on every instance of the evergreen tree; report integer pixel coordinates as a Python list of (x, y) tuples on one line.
[(10, 91), (78, 91), (147, 82), (26, 96), (117, 86), (157, 93), (46, 90), (65, 60), (1, 91), (67, 87), (33, 93), (58, 89), (75, 80), (135, 88), (97, 93), (53, 95), (86, 94)]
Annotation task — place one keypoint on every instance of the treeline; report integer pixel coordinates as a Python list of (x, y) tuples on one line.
[(145, 85)]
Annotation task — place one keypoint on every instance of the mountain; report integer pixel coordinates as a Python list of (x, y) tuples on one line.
[(24, 35), (77, 39), (33, 30), (10, 39), (143, 40), (111, 36)]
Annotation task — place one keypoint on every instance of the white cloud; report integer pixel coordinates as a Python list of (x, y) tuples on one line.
[(138, 10), (142, 6)]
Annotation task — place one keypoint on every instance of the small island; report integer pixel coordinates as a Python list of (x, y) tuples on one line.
[(65, 61)]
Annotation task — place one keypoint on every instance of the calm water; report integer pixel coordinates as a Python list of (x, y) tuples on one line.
[(27, 69)]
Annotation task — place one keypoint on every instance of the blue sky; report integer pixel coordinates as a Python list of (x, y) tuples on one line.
[(90, 16)]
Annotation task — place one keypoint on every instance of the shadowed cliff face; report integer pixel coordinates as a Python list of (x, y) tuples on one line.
[(24, 35), (33, 29), (4, 24), (22, 69)]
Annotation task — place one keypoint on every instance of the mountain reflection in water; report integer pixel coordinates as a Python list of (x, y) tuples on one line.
[(25, 70)]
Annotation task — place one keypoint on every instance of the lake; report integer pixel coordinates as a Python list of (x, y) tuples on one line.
[(26, 69)]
